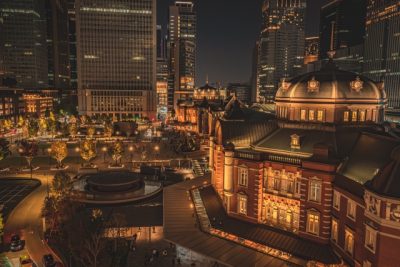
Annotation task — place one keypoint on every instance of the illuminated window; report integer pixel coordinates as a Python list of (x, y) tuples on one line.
[(275, 214), (362, 115), (346, 116), (354, 115), (349, 242), (334, 230), (370, 238), (311, 115), (243, 176), (295, 141), (351, 209), (320, 115), (336, 200), (289, 217), (315, 191), (303, 113), (242, 204), (313, 222)]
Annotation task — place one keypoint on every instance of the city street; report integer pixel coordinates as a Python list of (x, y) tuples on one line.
[(26, 220)]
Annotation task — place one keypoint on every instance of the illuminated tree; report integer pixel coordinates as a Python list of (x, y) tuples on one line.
[(32, 127), (88, 150), (59, 151), (72, 129), (8, 124), (116, 151), (52, 123), (28, 150), (108, 129), (91, 131), (1, 228), (61, 184), (42, 125), (21, 122), (4, 148)]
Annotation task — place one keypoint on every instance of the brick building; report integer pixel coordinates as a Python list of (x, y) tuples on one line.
[(322, 174)]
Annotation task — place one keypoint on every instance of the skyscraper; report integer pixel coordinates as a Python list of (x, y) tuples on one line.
[(311, 49), (348, 19), (382, 46), (72, 43), (162, 73), (281, 44), (57, 44), (182, 51), (116, 43), (23, 51)]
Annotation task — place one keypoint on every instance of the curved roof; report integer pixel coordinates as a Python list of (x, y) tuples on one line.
[(331, 85)]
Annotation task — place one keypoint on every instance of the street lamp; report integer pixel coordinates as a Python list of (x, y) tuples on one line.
[(104, 149), (77, 150), (156, 149), (131, 152), (48, 152)]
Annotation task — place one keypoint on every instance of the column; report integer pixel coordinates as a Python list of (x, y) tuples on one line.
[(228, 177)]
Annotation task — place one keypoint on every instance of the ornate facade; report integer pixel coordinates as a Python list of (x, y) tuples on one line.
[(324, 170)]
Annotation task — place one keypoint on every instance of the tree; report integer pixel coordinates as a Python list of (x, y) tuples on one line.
[(59, 151), (61, 184), (32, 127), (108, 128), (88, 150), (4, 148), (116, 151), (1, 228), (28, 150), (91, 131), (42, 125), (8, 124), (52, 123), (21, 122)]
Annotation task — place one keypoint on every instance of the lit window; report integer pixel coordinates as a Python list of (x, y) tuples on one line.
[(370, 238), (242, 204), (320, 115), (334, 231), (311, 115), (351, 209), (243, 176), (349, 242), (295, 141), (336, 200), (362, 115), (346, 116), (354, 115), (313, 222), (315, 191), (303, 113)]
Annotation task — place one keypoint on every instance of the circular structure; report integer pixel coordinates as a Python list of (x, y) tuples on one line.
[(114, 182), (331, 96)]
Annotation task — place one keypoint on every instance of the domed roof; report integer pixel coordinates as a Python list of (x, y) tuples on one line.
[(331, 85)]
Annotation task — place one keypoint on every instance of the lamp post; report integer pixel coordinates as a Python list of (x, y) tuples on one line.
[(77, 150), (131, 152), (156, 149), (104, 149), (48, 152)]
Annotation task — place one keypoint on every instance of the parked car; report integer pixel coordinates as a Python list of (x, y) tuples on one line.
[(16, 243), (25, 261), (48, 260)]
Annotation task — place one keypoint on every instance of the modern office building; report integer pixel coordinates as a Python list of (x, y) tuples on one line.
[(347, 17), (311, 51), (57, 44), (382, 47), (255, 93), (72, 44), (281, 53), (182, 52), (116, 57), (23, 49), (242, 91), (162, 74)]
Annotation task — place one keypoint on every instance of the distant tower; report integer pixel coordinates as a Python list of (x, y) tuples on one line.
[(72, 44), (182, 52), (116, 43), (382, 47), (23, 50), (281, 44)]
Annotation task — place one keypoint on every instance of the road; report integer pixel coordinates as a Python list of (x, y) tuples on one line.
[(26, 220)]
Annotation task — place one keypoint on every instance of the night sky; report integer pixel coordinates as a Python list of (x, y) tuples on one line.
[(227, 31)]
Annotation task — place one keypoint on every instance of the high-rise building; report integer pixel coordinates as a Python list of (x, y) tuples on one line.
[(347, 17), (382, 47), (311, 49), (281, 44), (72, 44), (182, 51), (116, 57), (23, 50), (57, 44), (162, 73), (255, 93)]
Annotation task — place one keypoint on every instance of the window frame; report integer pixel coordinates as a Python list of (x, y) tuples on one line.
[(315, 218), (346, 116), (336, 200), (243, 176), (347, 233), (370, 235), (351, 206), (335, 234), (314, 181), (242, 198), (320, 115)]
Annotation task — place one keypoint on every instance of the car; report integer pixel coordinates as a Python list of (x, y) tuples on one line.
[(16, 243), (25, 261), (48, 261)]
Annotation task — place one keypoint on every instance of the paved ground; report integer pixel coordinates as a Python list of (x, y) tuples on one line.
[(13, 191), (26, 220)]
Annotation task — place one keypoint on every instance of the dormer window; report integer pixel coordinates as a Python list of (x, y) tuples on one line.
[(295, 141)]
